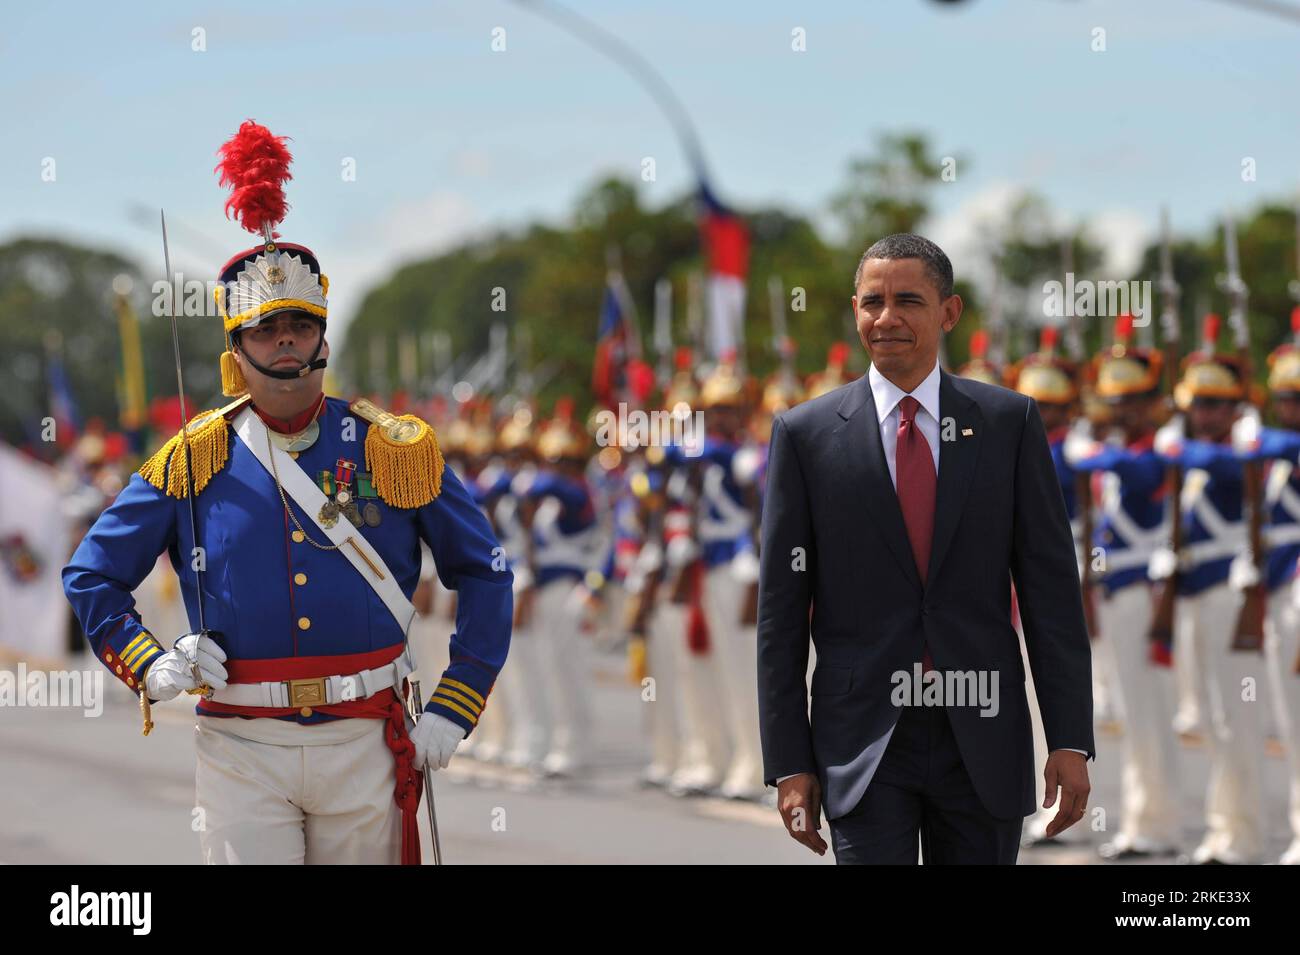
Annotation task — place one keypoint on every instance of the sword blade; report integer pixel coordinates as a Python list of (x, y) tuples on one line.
[(428, 781)]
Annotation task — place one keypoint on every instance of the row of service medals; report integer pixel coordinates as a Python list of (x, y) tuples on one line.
[(343, 487)]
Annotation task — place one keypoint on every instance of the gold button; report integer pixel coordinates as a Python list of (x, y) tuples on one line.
[(118, 671), (299, 579), (108, 657), (294, 455), (305, 711), (303, 623), (130, 681), (298, 537)]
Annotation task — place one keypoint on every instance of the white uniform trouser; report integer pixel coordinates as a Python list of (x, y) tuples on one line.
[(1233, 806), (1149, 792), (1190, 715), (301, 800), (1281, 647), (703, 753), (737, 650), (557, 614), (661, 698)]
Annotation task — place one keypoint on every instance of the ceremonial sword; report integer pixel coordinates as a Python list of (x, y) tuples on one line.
[(200, 687), (428, 783)]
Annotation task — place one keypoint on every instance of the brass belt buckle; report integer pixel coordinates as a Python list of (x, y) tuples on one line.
[(306, 692)]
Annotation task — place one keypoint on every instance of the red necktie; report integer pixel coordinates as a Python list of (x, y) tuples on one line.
[(916, 482)]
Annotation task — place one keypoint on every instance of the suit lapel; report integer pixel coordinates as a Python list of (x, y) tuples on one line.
[(865, 467), (957, 457)]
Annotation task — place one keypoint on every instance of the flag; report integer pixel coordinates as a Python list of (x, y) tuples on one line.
[(726, 248), (63, 407), (618, 373)]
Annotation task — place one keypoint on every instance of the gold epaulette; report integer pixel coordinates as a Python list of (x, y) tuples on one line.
[(402, 456), (208, 436)]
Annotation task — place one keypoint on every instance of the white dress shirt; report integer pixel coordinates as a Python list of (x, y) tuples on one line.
[(887, 395)]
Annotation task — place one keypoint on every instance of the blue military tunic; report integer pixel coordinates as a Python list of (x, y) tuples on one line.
[(276, 599), (1282, 500), (1132, 508), (1214, 531)]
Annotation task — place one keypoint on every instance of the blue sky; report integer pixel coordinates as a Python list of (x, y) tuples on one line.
[(451, 138)]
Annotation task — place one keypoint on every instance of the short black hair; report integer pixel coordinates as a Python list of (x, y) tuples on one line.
[(906, 245)]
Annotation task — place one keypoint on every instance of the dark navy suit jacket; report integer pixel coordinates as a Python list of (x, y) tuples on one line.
[(836, 565)]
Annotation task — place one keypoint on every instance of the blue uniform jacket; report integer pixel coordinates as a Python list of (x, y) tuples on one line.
[(273, 596)]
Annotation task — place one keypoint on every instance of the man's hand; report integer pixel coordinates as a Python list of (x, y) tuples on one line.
[(173, 672), (1068, 770), (435, 738), (799, 799)]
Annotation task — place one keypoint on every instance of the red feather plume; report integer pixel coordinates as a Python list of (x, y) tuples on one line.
[(979, 343), (255, 165)]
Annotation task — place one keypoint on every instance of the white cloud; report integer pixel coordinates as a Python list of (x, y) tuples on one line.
[(372, 252)]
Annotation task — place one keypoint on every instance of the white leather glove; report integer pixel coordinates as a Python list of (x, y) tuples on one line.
[(1245, 431), (173, 672), (435, 738), (744, 567), (1078, 446), (1170, 436), (1242, 573), (1163, 563), (745, 464)]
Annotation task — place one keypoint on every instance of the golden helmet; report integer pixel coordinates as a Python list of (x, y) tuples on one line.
[(1043, 375), (683, 388), (563, 438), (979, 368), (481, 439), (516, 432), (1123, 369), (724, 387), (781, 392), (1284, 362), (821, 382), (1210, 375)]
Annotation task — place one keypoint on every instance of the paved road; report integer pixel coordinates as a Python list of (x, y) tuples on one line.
[(93, 790)]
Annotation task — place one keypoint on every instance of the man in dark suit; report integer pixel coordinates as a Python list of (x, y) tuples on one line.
[(899, 510)]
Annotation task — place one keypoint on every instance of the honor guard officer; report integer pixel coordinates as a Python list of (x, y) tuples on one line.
[(979, 367), (295, 531), (1211, 393), (1131, 477), (1280, 448), (833, 375), (563, 545), (727, 519)]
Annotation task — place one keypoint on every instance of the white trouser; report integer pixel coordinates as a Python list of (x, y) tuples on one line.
[(1149, 793), (1190, 714), (1231, 683), (523, 683), (661, 698), (289, 803), (737, 650), (1282, 647), (702, 755), (557, 613)]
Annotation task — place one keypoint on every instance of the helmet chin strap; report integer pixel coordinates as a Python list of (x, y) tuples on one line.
[(312, 363)]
